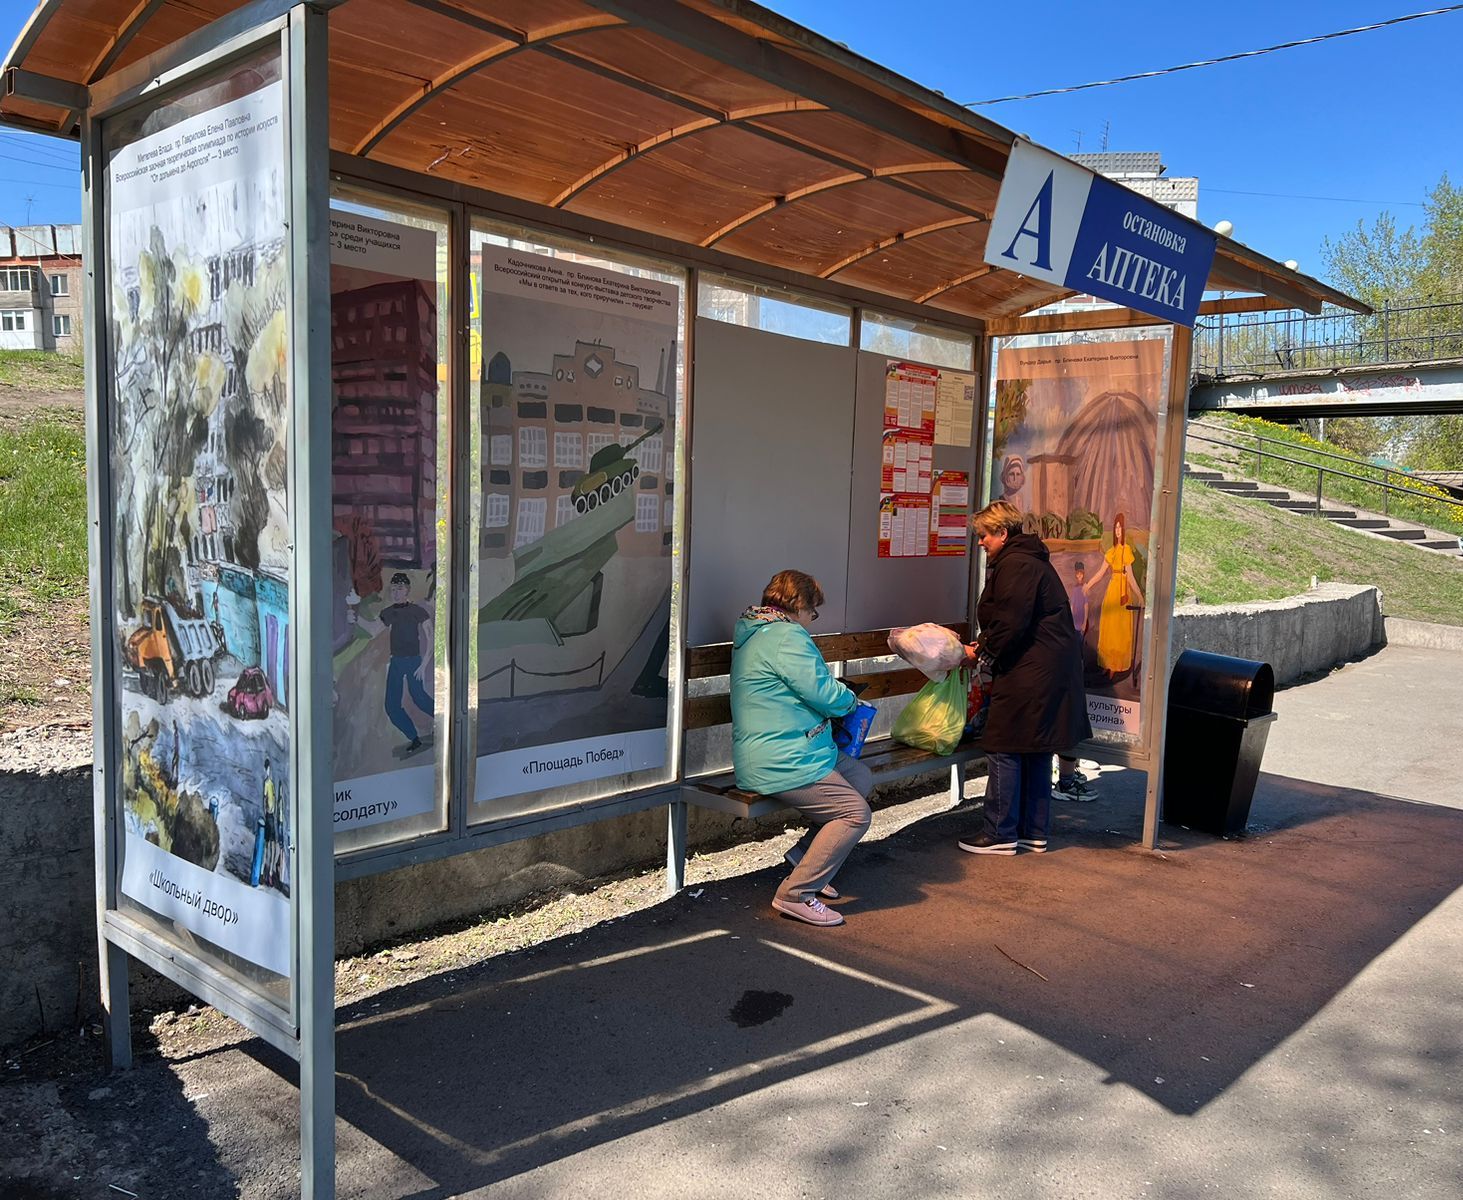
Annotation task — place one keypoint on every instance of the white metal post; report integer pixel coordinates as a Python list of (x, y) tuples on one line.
[(111, 959), (1163, 575), (310, 589)]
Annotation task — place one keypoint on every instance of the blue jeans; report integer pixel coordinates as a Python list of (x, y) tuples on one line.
[(1018, 796), (399, 671)]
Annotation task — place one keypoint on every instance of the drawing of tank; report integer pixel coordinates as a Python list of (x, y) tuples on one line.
[(611, 471)]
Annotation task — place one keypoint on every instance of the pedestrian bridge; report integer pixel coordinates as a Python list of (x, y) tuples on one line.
[(1404, 358)]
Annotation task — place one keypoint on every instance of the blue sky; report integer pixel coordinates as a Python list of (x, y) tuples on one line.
[(1332, 133)]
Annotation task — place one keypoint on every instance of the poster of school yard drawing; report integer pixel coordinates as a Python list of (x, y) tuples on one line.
[(578, 403), (384, 396), (1076, 434), (199, 363)]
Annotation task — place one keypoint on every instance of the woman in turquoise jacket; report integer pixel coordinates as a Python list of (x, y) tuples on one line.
[(783, 702)]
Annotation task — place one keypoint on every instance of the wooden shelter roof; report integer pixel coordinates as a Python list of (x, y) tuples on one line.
[(709, 123)]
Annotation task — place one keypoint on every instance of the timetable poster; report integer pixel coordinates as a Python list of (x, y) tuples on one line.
[(950, 514), (909, 397), (907, 462), (904, 526)]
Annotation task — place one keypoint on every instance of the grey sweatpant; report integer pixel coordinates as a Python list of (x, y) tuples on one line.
[(837, 809)]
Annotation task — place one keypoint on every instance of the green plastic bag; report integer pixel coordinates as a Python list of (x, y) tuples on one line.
[(935, 718)]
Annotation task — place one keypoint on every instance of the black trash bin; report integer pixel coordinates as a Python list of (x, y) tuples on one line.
[(1219, 715)]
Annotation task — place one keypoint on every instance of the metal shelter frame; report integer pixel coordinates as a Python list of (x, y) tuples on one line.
[(70, 73)]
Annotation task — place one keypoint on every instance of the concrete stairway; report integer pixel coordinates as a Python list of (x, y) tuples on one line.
[(1366, 522)]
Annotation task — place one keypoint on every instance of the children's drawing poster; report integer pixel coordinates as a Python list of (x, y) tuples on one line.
[(197, 339), (384, 401), (578, 411), (1076, 436)]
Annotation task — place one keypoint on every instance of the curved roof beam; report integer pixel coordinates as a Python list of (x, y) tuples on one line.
[(951, 284), (455, 74), (823, 185), (907, 235), (666, 136), (855, 174)]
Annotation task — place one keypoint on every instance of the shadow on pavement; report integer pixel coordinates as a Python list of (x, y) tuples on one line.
[(1173, 972)]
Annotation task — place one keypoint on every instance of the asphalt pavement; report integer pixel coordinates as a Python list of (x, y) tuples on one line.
[(1277, 1015)]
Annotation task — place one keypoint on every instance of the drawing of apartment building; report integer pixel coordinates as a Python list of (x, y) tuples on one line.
[(542, 429)]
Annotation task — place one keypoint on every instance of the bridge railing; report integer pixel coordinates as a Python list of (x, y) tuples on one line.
[(1408, 331), (1334, 478)]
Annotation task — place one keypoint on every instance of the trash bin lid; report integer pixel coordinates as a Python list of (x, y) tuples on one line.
[(1219, 684)]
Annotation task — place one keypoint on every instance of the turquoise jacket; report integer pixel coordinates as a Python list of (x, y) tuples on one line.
[(782, 699)]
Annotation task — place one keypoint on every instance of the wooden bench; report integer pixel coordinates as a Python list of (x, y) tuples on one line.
[(886, 759)]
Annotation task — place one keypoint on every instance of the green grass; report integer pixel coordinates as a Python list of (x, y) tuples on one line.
[(1439, 513), (42, 513), (1231, 550)]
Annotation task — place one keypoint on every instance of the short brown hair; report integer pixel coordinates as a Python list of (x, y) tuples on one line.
[(792, 591), (996, 516)]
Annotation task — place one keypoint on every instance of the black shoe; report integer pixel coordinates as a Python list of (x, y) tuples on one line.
[(414, 745), (983, 843)]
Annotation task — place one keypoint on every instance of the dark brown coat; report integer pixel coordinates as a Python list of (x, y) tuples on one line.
[(1038, 704)]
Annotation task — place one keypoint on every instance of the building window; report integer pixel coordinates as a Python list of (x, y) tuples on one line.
[(531, 516), (15, 320), (568, 450), (61, 325), (670, 506), (495, 510), (14, 279), (60, 285), (598, 441), (500, 453), (650, 454), (533, 446), (647, 514), (563, 511), (602, 416)]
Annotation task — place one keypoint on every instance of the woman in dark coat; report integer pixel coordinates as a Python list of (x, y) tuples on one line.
[(1038, 706)]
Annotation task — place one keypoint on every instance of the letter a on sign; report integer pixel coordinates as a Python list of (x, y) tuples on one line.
[(1036, 218), (1041, 208)]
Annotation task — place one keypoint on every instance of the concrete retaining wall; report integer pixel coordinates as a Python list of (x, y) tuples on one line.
[(1299, 637), (1426, 636)]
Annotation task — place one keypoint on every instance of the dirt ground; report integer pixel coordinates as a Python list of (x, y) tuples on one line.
[(20, 404), (45, 660)]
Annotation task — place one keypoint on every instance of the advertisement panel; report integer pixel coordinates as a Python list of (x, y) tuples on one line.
[(578, 402), (198, 356), (1076, 436), (384, 423)]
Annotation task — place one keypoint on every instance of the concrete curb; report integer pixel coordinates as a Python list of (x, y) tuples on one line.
[(1298, 636), (1424, 634)]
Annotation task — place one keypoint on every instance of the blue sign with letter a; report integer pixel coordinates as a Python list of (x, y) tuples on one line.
[(1060, 222)]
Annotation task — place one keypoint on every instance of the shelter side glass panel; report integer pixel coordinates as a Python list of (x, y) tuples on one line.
[(390, 450), (576, 442), (197, 358), (1077, 432)]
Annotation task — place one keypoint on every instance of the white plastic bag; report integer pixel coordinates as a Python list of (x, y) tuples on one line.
[(934, 649)]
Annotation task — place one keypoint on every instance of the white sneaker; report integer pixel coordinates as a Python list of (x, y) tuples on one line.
[(812, 910)]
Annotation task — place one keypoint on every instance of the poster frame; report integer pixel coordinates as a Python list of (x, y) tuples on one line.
[(264, 26), (1143, 752)]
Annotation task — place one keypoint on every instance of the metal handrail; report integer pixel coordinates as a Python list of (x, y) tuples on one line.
[(1321, 472), (1261, 437)]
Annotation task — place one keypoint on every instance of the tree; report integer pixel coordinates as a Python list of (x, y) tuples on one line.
[(1387, 266)]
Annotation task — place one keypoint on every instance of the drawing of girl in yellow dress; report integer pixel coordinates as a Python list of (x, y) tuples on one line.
[(1115, 619)]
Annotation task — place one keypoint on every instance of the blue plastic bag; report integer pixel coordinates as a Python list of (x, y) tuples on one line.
[(851, 729)]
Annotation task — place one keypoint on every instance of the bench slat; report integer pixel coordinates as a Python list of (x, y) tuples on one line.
[(703, 662)]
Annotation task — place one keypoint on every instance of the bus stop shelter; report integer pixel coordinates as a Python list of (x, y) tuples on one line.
[(455, 366)]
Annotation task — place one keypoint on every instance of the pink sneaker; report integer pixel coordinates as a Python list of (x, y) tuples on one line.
[(794, 856), (812, 910)]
